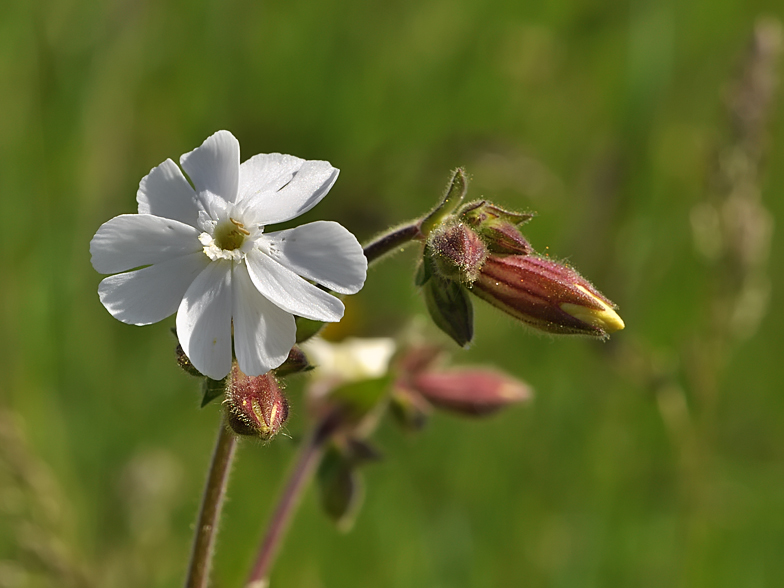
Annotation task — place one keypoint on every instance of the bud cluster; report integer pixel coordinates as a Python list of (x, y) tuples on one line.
[(480, 249)]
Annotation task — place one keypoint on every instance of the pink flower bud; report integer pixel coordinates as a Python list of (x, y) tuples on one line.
[(546, 295), (457, 252), (472, 392), (419, 358), (255, 406), (296, 362), (498, 227)]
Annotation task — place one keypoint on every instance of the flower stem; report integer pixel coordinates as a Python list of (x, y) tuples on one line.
[(301, 474), (214, 492), (391, 240)]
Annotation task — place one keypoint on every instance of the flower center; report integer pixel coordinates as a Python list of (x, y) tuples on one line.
[(230, 235)]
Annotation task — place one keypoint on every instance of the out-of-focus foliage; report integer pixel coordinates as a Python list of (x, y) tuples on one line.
[(652, 460)]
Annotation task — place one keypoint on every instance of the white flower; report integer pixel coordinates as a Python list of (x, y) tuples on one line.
[(351, 360), (208, 258)]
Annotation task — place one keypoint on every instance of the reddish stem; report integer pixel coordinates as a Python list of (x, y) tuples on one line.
[(304, 468)]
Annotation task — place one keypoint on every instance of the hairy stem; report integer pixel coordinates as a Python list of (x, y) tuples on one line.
[(298, 480), (214, 492), (391, 240)]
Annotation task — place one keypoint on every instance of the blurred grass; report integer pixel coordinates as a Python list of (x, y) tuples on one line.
[(655, 460)]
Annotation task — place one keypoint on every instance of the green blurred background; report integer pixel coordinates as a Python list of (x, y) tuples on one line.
[(654, 460)]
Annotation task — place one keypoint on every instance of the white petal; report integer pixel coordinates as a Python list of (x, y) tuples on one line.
[(310, 184), (215, 166), (289, 291), (353, 359), (132, 240), (324, 252), (204, 321), (263, 333), (151, 294), (165, 192), (267, 172)]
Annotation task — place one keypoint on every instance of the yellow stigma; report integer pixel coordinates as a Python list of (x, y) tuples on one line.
[(606, 318)]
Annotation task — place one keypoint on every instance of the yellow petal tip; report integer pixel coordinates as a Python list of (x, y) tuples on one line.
[(605, 318)]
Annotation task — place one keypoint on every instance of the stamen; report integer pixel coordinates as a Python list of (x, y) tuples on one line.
[(229, 236), (240, 227)]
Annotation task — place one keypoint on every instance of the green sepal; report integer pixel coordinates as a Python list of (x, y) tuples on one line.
[(212, 389), (361, 451), (478, 211), (450, 308), (408, 411), (340, 488), (455, 192), (424, 270)]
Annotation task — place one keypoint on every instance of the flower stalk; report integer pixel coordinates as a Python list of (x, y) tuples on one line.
[(391, 240), (302, 473), (214, 493)]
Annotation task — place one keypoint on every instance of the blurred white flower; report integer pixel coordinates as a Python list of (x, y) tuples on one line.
[(204, 255), (350, 360)]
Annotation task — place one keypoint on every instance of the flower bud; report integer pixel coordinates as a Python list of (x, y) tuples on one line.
[(420, 357), (498, 227), (546, 295), (470, 392), (457, 252), (185, 363), (295, 363), (255, 406)]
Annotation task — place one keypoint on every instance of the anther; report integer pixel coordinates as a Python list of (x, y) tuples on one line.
[(240, 227)]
